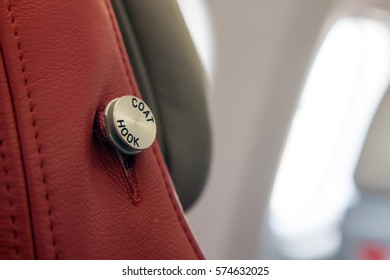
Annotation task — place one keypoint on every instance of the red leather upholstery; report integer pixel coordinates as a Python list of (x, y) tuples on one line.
[(60, 62)]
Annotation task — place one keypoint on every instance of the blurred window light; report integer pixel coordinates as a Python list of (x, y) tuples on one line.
[(314, 183), (196, 14)]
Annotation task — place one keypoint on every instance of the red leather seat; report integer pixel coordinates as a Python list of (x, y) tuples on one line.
[(62, 194)]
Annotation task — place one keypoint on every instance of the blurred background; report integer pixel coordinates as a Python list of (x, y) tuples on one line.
[(299, 111)]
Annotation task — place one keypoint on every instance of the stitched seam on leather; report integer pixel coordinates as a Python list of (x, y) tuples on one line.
[(36, 133), (20, 154), (133, 86), (12, 215)]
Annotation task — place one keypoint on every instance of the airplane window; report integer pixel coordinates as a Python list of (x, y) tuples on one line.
[(314, 183)]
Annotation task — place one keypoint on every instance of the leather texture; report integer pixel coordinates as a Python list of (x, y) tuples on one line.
[(62, 61), (15, 228)]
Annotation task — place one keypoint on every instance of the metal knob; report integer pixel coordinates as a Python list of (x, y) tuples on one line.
[(130, 124)]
